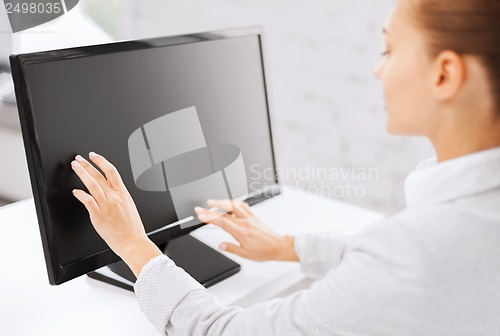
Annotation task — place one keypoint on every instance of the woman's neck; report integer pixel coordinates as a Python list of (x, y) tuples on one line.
[(453, 142)]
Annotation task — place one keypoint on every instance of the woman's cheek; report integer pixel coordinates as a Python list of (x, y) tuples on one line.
[(394, 96)]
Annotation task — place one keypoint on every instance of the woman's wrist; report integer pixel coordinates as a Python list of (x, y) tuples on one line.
[(286, 249), (138, 253)]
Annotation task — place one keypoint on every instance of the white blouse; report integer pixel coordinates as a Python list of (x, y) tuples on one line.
[(432, 269)]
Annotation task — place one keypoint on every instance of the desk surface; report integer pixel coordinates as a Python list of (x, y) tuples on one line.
[(83, 306)]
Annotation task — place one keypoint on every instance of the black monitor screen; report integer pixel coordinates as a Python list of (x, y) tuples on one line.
[(163, 113)]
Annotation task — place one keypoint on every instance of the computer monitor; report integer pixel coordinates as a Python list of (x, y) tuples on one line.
[(183, 118)]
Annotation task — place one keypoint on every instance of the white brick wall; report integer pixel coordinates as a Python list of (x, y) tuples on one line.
[(326, 101)]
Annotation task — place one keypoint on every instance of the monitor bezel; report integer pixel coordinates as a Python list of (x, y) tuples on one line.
[(57, 272)]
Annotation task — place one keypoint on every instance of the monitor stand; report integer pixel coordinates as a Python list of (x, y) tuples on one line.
[(203, 263)]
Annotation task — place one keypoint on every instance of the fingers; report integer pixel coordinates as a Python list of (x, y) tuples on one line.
[(93, 187), (209, 214), (235, 206), (109, 170), (87, 200), (223, 222), (94, 173)]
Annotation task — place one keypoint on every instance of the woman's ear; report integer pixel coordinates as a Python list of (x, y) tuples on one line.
[(449, 75)]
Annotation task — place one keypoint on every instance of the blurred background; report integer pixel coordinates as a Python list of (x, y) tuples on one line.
[(327, 106)]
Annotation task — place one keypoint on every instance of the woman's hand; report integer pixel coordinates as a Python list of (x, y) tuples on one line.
[(257, 241), (113, 212)]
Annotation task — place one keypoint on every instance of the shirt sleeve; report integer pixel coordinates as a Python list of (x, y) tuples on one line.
[(379, 288), (320, 251)]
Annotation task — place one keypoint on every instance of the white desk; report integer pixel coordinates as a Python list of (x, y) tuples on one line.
[(83, 306)]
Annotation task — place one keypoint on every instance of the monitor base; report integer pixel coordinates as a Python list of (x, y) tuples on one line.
[(203, 263)]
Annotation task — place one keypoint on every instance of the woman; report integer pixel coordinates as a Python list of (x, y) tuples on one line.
[(433, 269)]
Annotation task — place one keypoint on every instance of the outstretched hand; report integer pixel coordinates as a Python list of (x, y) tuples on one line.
[(256, 240), (113, 212)]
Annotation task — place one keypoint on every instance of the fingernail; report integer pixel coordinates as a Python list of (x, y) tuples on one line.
[(223, 246), (79, 158), (75, 164), (92, 154), (73, 191), (197, 208), (210, 201)]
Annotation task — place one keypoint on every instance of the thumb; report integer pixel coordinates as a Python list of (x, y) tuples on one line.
[(232, 248)]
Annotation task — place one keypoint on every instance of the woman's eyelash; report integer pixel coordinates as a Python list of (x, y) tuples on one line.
[(385, 53)]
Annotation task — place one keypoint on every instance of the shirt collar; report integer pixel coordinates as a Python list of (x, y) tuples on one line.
[(433, 182)]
